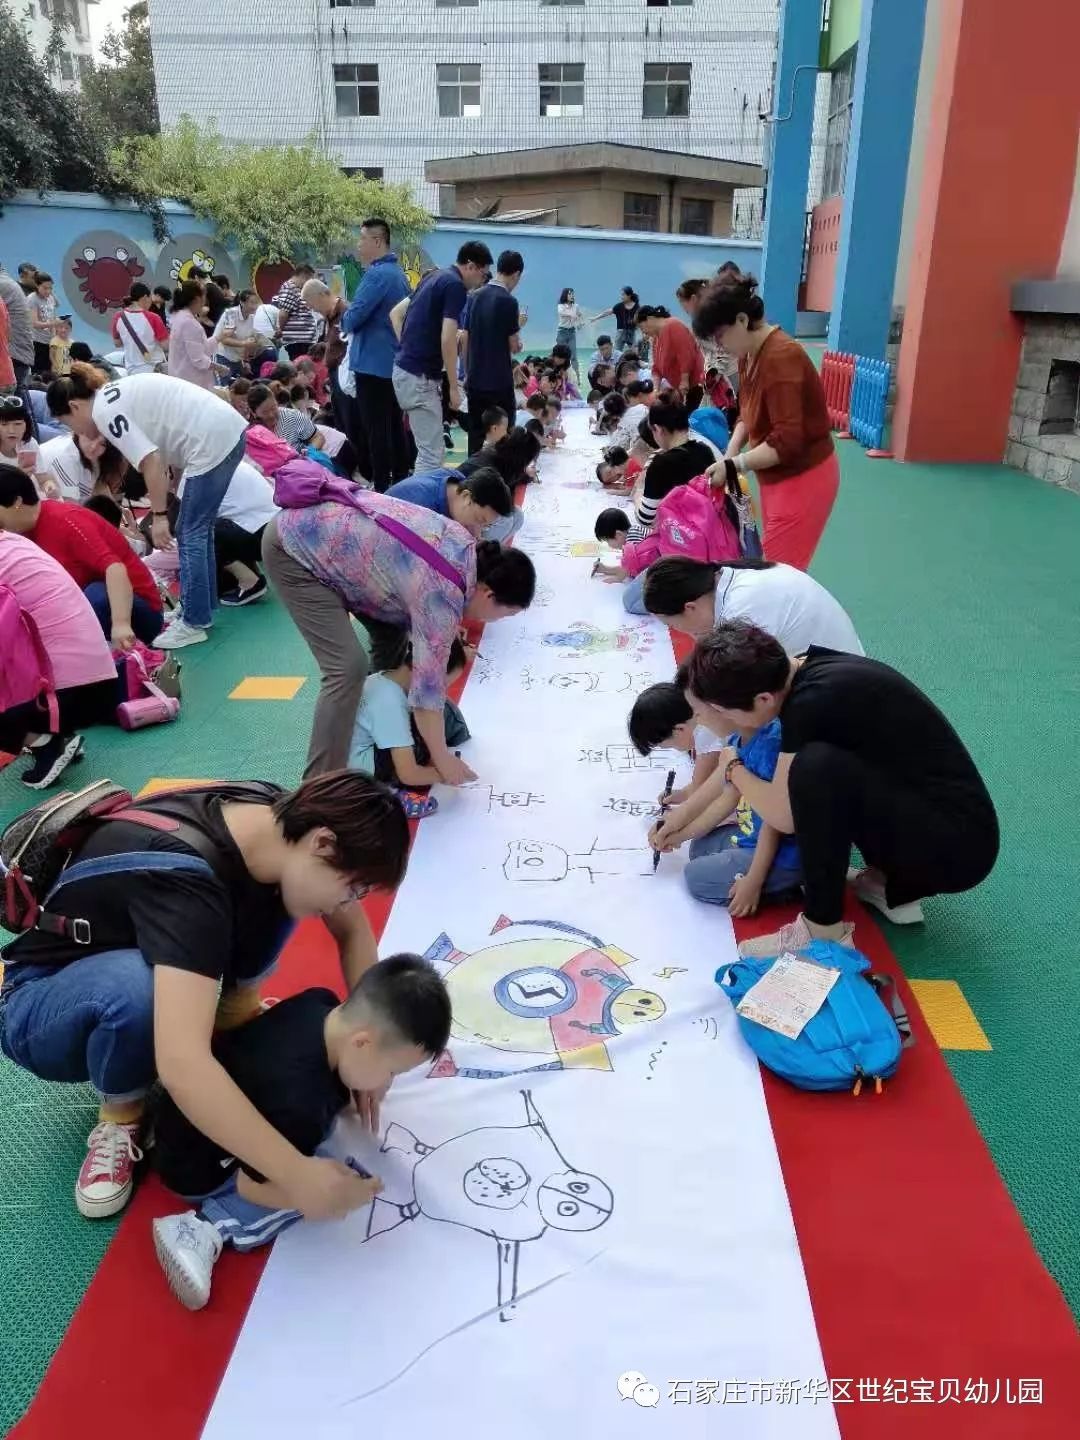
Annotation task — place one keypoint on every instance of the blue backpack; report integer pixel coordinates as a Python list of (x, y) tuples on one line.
[(853, 1038)]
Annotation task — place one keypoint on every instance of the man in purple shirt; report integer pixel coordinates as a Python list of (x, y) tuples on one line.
[(429, 345)]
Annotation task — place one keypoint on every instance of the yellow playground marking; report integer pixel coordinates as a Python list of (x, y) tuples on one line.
[(951, 1019), (167, 782), (268, 687)]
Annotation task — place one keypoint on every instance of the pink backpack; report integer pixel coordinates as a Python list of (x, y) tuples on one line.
[(693, 521), (27, 673)]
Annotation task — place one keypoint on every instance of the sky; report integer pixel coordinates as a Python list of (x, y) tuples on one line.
[(104, 14)]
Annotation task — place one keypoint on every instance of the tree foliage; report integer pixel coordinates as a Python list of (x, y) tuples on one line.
[(280, 203), (48, 141), (120, 89)]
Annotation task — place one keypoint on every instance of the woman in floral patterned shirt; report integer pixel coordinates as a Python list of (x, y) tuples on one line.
[(329, 562)]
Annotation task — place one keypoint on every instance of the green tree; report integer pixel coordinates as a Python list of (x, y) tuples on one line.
[(268, 203), (47, 141), (120, 89)]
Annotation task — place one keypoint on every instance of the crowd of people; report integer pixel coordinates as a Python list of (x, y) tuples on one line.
[(306, 438)]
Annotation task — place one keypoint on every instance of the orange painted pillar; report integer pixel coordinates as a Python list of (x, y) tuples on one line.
[(997, 182)]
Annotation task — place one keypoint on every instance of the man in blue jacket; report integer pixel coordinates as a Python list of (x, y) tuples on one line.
[(372, 344)]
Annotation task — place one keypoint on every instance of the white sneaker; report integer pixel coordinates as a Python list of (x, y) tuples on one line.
[(179, 633), (187, 1249), (872, 893), (107, 1175)]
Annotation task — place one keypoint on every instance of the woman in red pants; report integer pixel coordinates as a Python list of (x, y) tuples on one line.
[(782, 419)]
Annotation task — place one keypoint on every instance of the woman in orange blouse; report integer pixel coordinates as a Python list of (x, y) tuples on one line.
[(782, 417)]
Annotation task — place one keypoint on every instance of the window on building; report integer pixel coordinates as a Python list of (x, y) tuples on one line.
[(351, 4), (562, 89), (641, 212), (356, 90), (695, 217), (666, 93), (663, 4), (85, 65), (454, 4), (66, 65), (459, 89), (579, 3), (838, 131), (365, 172)]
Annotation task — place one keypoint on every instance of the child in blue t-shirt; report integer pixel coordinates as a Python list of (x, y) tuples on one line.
[(735, 857), (386, 743)]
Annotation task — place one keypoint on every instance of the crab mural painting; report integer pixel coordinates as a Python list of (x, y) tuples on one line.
[(99, 270)]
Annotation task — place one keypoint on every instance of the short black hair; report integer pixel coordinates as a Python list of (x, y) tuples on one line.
[(653, 312), (492, 416), (163, 292), (508, 573), (377, 226), (534, 427), (257, 396), (536, 401), (735, 663), (15, 484), (603, 340), (406, 997), (488, 488), (562, 352), (371, 833), (669, 415), (14, 407), (474, 252), (611, 522), (457, 659), (655, 714), (106, 507), (510, 262), (672, 582), (81, 352), (638, 387)]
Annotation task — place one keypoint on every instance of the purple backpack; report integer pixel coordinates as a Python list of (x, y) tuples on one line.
[(26, 674), (299, 484)]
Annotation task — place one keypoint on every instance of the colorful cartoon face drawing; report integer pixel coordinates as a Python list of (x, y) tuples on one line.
[(552, 999), (182, 266), (508, 1182), (412, 262), (585, 639), (105, 280)]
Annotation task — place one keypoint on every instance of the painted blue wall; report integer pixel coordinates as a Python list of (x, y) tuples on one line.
[(595, 262), (886, 81), (789, 168)]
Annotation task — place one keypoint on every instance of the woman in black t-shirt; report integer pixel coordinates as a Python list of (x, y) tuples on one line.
[(624, 313), (119, 982), (682, 457), (866, 759)]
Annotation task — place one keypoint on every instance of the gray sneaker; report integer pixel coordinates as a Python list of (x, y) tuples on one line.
[(187, 1250)]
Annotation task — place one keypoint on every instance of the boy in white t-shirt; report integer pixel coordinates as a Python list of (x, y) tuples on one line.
[(385, 742)]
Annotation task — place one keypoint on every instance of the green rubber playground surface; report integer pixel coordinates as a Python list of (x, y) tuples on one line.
[(965, 578)]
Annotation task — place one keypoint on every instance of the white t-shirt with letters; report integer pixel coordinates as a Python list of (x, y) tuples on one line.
[(192, 428)]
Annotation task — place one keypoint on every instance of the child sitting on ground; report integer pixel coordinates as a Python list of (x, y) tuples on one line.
[(735, 857), (298, 1063), (553, 426), (386, 742), (617, 471), (534, 408)]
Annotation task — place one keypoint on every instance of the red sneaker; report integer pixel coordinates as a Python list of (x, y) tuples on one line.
[(106, 1179)]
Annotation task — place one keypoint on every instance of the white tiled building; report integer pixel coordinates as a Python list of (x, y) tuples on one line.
[(39, 16), (385, 85)]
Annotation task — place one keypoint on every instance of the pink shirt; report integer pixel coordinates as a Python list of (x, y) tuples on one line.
[(191, 351), (69, 629)]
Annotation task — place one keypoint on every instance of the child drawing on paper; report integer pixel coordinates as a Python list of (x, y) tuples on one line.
[(510, 1182)]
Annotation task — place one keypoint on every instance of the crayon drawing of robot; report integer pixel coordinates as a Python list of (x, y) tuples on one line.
[(550, 999), (510, 1182)]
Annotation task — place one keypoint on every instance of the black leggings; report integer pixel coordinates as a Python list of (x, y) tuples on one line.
[(232, 543), (79, 706), (923, 842)]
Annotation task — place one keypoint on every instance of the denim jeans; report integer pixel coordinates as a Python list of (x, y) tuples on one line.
[(203, 495), (145, 620), (632, 600), (92, 1019), (506, 526), (567, 335), (421, 400), (715, 862)]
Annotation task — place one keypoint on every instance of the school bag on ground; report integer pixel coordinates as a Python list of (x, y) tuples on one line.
[(149, 687), (693, 520), (37, 846), (855, 1039), (26, 673)]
